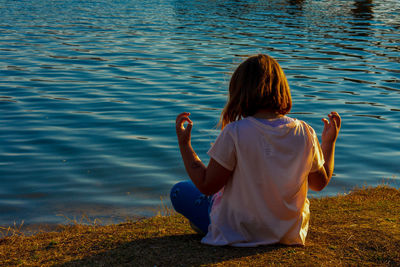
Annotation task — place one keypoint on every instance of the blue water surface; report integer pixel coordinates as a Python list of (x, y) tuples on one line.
[(89, 91)]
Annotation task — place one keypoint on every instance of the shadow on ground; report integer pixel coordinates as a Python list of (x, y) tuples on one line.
[(176, 250)]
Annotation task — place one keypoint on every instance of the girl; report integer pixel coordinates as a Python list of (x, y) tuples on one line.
[(254, 189)]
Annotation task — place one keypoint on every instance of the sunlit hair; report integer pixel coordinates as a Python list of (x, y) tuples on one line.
[(258, 83)]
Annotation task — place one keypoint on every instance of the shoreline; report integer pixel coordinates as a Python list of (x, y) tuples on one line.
[(358, 228), (33, 228)]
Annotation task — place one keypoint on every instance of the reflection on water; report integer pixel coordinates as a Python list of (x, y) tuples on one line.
[(363, 11), (89, 92)]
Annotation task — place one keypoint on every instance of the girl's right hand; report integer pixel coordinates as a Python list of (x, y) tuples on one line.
[(331, 128), (183, 133)]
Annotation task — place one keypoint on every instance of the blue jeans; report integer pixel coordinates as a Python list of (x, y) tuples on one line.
[(188, 201)]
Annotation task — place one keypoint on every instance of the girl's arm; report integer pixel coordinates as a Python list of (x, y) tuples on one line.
[(208, 180), (318, 180)]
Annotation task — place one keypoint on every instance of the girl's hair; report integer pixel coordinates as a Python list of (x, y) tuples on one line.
[(258, 83)]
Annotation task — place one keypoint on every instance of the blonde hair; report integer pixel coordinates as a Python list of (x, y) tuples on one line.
[(257, 83)]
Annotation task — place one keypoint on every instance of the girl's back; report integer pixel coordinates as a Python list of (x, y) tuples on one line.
[(265, 201)]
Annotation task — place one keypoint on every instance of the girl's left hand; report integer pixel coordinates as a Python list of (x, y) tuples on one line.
[(183, 133), (331, 128)]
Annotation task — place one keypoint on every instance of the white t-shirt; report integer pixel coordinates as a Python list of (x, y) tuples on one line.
[(265, 202)]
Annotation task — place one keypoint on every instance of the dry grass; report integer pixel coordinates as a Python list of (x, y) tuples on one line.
[(361, 228)]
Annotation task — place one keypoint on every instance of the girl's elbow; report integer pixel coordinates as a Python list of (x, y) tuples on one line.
[(206, 190), (318, 180), (317, 187)]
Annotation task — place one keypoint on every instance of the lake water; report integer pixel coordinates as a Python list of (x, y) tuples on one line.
[(89, 91)]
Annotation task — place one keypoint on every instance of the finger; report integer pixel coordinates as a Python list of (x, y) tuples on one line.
[(326, 122), (180, 122), (337, 118), (182, 115), (326, 125), (189, 127), (180, 125), (334, 114), (333, 122)]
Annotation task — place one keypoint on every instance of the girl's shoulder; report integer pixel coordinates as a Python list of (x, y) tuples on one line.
[(306, 125), (307, 130)]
